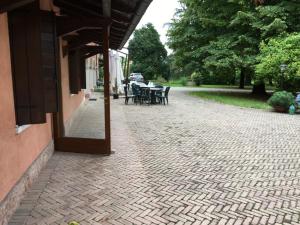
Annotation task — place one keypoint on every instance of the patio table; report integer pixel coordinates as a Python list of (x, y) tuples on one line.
[(153, 90)]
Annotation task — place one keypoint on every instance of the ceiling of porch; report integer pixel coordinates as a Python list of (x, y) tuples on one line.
[(92, 16), (124, 15)]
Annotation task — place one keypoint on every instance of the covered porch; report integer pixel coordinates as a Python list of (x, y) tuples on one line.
[(70, 32)]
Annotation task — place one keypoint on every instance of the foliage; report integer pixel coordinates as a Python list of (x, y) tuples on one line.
[(148, 54), (160, 80), (230, 98), (282, 99), (183, 81), (281, 50), (73, 223), (197, 78), (174, 83), (222, 38)]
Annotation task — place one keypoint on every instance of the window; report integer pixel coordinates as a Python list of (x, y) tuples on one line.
[(33, 54), (77, 73)]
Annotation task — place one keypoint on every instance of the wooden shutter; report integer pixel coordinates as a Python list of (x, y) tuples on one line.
[(26, 60), (74, 71), (83, 74), (49, 67)]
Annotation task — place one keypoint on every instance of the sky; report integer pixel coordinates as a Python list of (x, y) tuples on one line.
[(159, 13)]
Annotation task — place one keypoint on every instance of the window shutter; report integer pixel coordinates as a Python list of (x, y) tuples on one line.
[(83, 74), (74, 71), (26, 60), (49, 67)]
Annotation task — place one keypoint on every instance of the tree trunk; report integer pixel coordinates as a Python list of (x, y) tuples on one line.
[(242, 78), (248, 79), (233, 80), (270, 82), (259, 89)]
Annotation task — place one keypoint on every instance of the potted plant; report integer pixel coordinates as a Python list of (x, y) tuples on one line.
[(281, 101)]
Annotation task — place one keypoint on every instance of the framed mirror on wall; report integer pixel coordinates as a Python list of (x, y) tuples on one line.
[(82, 124)]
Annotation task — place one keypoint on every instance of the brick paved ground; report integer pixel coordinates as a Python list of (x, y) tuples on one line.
[(89, 119), (192, 162)]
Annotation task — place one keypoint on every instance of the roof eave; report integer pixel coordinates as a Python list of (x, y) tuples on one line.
[(137, 18)]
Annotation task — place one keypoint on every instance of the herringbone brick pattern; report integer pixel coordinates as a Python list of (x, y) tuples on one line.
[(192, 162)]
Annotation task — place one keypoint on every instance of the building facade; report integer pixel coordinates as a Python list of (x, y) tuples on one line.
[(43, 77)]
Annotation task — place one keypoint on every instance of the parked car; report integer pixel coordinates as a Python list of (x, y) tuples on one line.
[(138, 77)]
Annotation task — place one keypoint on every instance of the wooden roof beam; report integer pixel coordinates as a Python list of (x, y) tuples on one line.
[(91, 54), (106, 7), (116, 29), (123, 16), (7, 5), (121, 6), (76, 7), (67, 25), (88, 49), (79, 44)]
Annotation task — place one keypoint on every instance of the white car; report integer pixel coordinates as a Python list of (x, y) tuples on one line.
[(138, 77)]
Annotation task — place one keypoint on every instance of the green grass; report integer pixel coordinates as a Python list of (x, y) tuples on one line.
[(223, 86), (237, 99), (249, 87), (172, 83), (177, 83)]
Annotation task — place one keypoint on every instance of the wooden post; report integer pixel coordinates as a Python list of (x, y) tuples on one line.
[(106, 87), (124, 65), (128, 65)]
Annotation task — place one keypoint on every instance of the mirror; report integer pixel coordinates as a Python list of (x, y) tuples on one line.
[(83, 110)]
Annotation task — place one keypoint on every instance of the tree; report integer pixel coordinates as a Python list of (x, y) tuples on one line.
[(278, 51), (148, 54), (223, 37)]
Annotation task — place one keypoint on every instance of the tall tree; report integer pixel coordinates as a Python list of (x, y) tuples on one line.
[(223, 37), (148, 54)]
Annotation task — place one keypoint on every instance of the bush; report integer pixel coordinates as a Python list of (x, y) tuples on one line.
[(197, 78), (183, 81), (281, 101), (283, 49), (160, 79)]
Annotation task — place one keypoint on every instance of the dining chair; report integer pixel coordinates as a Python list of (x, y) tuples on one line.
[(164, 96), (145, 96), (136, 91), (127, 96)]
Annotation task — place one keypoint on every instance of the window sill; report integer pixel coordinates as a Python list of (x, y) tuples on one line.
[(20, 129)]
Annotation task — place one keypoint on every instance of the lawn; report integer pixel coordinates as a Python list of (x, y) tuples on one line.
[(237, 99), (177, 83)]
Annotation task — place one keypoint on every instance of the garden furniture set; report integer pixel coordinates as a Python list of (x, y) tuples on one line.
[(148, 94)]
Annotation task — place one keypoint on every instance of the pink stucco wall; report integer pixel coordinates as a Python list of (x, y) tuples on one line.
[(17, 151)]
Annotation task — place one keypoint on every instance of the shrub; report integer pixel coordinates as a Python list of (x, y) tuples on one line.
[(183, 81), (280, 50), (197, 78), (160, 79), (281, 100)]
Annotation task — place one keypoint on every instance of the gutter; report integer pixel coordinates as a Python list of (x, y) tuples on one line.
[(135, 21)]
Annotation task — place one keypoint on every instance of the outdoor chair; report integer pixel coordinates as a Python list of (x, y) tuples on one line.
[(136, 91), (127, 96), (145, 96), (164, 96), (158, 94)]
